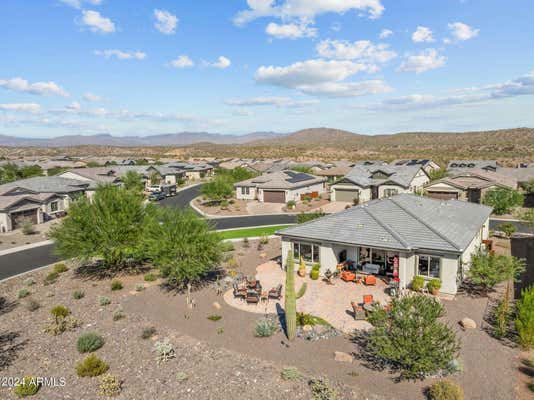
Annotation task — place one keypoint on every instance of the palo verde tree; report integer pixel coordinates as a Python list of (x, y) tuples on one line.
[(181, 245), (503, 200), (487, 270), (109, 228), (290, 308), (411, 338), (220, 188), (133, 181)]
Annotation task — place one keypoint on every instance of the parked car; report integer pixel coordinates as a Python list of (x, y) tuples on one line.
[(156, 196), (154, 188), (168, 190)]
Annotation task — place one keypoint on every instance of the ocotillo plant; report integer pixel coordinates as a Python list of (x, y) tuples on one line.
[(290, 298)]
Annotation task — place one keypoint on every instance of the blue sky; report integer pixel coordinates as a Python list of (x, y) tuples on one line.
[(237, 66)]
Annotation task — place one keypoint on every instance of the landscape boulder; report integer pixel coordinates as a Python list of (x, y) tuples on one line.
[(216, 305), (468, 323), (342, 357)]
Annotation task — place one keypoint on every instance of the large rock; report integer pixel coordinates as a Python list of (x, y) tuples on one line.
[(307, 328), (216, 305), (342, 357), (468, 323)]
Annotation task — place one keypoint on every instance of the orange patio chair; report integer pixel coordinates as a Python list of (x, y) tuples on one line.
[(348, 276), (367, 299), (370, 280)]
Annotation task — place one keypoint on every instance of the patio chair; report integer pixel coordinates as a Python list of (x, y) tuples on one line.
[(239, 293), (348, 276), (359, 312), (370, 280), (252, 297), (276, 293), (368, 298)]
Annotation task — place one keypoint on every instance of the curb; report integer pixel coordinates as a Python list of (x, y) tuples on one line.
[(25, 247), (250, 238), (251, 227), (26, 273)]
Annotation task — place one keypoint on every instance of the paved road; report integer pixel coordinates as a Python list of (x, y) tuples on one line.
[(27, 260)]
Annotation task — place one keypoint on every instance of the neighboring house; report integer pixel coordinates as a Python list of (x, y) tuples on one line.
[(169, 174), (523, 175), (37, 199), (469, 186), (427, 165), (369, 182), (193, 171), (336, 172), (465, 165), (404, 236), (280, 187)]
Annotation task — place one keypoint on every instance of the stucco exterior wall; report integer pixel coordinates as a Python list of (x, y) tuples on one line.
[(5, 222), (239, 195), (365, 194), (420, 179), (382, 189), (296, 193)]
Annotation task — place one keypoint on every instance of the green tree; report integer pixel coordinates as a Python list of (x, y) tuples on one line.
[(133, 181), (527, 217), (30, 171), (11, 172), (411, 338), (507, 228), (487, 270), (181, 245), (290, 307), (524, 322), (108, 227), (438, 174), (503, 200), (221, 187)]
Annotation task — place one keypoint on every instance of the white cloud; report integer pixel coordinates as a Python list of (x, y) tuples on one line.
[(165, 22), (422, 34), (182, 61), (121, 55), (426, 60), (462, 32), (33, 108), (306, 9), (363, 50), (96, 22), (39, 88), (74, 106), (78, 3), (336, 26), (385, 33), (272, 101), (321, 77), (92, 97), (221, 63), (290, 31)]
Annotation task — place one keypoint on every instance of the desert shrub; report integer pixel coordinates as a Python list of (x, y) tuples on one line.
[(507, 228), (27, 387), (411, 338), (150, 277), (23, 293), (148, 332), (181, 376), (305, 319), (264, 239), (60, 268), (104, 301), (445, 390), (265, 327), (28, 228), (139, 287), (59, 311), (246, 243), (164, 350), (524, 322), (29, 281), (51, 278), (290, 373), (88, 342), (487, 270), (62, 321), (314, 273), (116, 285), (78, 294), (214, 317), (119, 314), (321, 390), (110, 385), (224, 204), (306, 217), (91, 366), (418, 283), (32, 305), (290, 204), (302, 290), (501, 316)]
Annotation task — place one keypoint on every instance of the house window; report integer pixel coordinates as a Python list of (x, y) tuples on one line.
[(54, 206), (390, 192), (429, 266), (245, 190), (309, 252)]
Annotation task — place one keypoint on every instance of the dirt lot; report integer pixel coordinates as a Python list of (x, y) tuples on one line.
[(223, 359)]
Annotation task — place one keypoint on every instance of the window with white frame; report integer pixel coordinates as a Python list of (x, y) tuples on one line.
[(308, 251), (54, 206), (245, 190), (429, 266), (390, 192)]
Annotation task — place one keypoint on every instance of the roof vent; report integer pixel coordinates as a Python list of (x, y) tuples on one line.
[(360, 226)]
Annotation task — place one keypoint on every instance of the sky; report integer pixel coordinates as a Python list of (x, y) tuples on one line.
[(85, 67)]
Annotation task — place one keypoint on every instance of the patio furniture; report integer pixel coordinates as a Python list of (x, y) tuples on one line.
[(264, 298), (328, 277), (359, 312), (371, 268), (369, 307), (276, 293), (370, 280), (367, 299), (348, 276), (252, 297), (239, 293)]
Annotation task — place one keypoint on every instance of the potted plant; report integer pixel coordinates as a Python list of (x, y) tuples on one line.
[(433, 286), (418, 283), (290, 205), (302, 268), (314, 274)]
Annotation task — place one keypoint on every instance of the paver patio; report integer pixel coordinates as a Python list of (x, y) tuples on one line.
[(330, 302)]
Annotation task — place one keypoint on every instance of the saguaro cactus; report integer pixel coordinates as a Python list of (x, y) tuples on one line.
[(290, 298)]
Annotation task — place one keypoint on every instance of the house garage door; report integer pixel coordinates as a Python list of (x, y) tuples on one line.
[(271, 196), (346, 195), (443, 195), (19, 217)]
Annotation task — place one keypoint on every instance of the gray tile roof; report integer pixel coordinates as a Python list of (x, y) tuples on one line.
[(46, 184), (400, 175), (477, 179), (281, 180), (402, 222), (522, 175), (472, 164)]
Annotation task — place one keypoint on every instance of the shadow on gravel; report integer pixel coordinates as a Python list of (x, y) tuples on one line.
[(97, 271), (212, 279), (6, 305), (10, 346)]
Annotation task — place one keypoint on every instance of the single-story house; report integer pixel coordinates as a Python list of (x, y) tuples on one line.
[(402, 236), (192, 171), (369, 182), (523, 175), (335, 173), (280, 187), (469, 186), (37, 199), (428, 165), (464, 165)]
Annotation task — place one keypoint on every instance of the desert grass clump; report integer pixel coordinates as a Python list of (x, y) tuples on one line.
[(104, 301), (119, 314), (51, 278), (214, 317), (89, 342), (181, 376), (78, 294), (116, 285), (59, 311), (110, 385), (445, 390), (29, 281), (23, 293), (290, 374), (148, 332), (60, 268), (139, 287), (91, 366), (164, 350), (321, 390), (61, 321), (150, 277), (26, 387)]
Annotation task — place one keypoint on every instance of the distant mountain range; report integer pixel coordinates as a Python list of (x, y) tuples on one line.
[(171, 139)]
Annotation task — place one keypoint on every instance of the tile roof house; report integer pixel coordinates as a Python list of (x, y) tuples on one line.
[(280, 187), (470, 185), (428, 165), (462, 165), (368, 182), (401, 236)]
